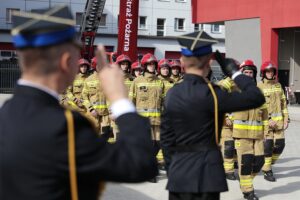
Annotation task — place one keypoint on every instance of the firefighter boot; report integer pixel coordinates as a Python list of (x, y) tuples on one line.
[(268, 175), (153, 180), (250, 195), (230, 176)]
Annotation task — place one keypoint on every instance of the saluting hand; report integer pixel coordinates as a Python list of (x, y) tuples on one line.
[(228, 65), (111, 77)]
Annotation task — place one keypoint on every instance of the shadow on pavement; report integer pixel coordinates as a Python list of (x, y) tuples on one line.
[(117, 192), (289, 174), (162, 176), (288, 188), (285, 160)]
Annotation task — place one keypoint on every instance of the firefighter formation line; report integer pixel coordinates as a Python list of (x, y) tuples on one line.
[(251, 140)]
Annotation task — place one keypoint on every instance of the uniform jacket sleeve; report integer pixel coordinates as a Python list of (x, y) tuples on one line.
[(85, 97), (265, 118), (132, 92), (130, 159), (69, 93), (284, 106)]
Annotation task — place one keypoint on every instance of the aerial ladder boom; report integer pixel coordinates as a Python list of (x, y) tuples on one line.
[(89, 25)]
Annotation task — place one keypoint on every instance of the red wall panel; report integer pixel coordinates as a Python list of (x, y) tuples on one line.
[(173, 55), (273, 14), (7, 46), (145, 50)]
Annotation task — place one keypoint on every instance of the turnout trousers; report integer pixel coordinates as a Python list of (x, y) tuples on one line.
[(228, 150), (250, 156), (274, 144), (155, 134)]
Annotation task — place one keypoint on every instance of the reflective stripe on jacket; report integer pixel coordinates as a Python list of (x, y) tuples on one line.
[(250, 124)]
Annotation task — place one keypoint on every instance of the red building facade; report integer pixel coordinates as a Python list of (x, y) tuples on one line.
[(273, 15)]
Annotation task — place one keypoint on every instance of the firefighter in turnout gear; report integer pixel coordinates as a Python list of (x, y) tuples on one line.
[(95, 102), (227, 142), (146, 93), (164, 74), (136, 69), (74, 91), (125, 64), (249, 127), (164, 71), (278, 117), (175, 71)]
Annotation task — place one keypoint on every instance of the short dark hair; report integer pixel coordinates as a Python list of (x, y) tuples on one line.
[(45, 60), (197, 62)]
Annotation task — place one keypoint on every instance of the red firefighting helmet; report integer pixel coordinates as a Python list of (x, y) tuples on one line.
[(135, 65), (148, 58), (83, 61), (122, 58), (177, 64), (94, 63), (267, 66), (249, 65), (162, 63)]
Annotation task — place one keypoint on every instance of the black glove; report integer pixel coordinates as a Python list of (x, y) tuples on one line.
[(228, 65), (107, 132)]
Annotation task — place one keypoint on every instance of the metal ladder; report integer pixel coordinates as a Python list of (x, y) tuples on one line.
[(89, 25)]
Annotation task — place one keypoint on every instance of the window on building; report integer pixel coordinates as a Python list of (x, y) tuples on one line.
[(160, 27), (215, 28), (142, 22), (78, 18), (198, 27), (103, 20), (9, 14), (6, 53), (179, 24)]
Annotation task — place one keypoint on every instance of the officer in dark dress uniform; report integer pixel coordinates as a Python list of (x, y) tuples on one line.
[(188, 131), (33, 128)]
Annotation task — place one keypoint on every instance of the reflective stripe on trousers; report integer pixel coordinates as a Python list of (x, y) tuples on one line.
[(149, 112), (99, 105)]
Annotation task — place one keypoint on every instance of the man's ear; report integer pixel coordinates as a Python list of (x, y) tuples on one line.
[(181, 60), (65, 62)]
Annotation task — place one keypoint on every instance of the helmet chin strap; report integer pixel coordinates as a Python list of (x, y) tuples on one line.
[(126, 71), (270, 79), (149, 72)]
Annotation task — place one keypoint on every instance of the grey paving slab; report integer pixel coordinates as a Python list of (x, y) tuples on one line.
[(287, 172), (3, 98)]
